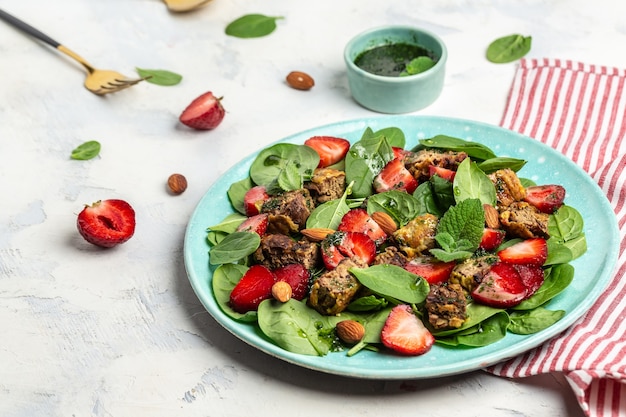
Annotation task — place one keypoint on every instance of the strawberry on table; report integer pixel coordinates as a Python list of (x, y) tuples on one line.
[(405, 333), (546, 198), (297, 276), (330, 149), (395, 176), (433, 271), (357, 220), (529, 252), (253, 200), (107, 223), (501, 287), (203, 113), (257, 224), (340, 245), (254, 287)]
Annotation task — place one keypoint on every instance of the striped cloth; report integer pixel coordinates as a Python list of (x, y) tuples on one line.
[(580, 110)]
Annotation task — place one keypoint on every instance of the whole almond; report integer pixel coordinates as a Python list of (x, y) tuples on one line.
[(177, 183), (281, 291), (316, 234), (385, 222), (350, 331), (492, 217), (300, 80)]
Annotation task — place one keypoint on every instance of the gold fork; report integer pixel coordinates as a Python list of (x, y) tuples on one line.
[(99, 82)]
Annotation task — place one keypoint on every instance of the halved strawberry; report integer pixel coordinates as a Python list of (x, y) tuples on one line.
[(254, 287), (254, 199), (203, 113), (395, 176), (501, 287), (400, 153), (405, 333), (339, 245), (256, 224), (492, 238), (433, 271), (546, 198), (330, 149), (357, 220), (445, 173), (297, 276), (107, 223), (530, 252), (532, 277)]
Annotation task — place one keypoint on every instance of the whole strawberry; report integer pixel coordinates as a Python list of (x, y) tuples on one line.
[(107, 223), (203, 113)]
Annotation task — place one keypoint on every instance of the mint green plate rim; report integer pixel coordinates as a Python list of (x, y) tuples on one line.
[(594, 269)]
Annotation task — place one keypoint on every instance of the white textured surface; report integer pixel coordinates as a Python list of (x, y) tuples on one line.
[(119, 332)]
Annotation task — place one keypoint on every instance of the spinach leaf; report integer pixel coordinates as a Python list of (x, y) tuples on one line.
[(225, 277), (494, 164), (236, 193), (426, 198), (485, 333), (86, 150), (234, 247), (294, 327), (443, 192), (160, 77), (471, 182), (567, 240), (252, 26), (508, 48), (213, 238), (474, 150), (393, 281), (367, 303), (229, 224), (402, 207), (556, 280), (395, 135), (270, 163), (329, 214), (476, 313), (459, 231), (365, 159), (534, 320)]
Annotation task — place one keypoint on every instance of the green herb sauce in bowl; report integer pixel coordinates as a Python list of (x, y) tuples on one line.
[(396, 59)]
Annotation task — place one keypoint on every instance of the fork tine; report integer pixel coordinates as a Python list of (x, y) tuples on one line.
[(118, 84)]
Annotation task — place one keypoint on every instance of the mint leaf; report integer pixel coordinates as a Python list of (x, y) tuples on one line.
[(460, 231)]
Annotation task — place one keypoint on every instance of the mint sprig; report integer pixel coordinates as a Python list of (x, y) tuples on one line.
[(460, 231)]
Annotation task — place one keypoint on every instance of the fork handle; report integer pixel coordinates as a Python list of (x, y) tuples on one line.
[(28, 29)]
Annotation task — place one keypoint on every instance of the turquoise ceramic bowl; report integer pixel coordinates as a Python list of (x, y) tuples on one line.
[(386, 94)]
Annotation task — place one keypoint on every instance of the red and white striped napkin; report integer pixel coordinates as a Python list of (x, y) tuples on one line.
[(580, 110)]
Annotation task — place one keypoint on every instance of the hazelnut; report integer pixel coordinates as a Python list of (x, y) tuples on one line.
[(300, 80), (350, 331), (177, 183)]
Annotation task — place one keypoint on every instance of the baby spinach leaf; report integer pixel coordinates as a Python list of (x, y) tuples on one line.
[(476, 313), (508, 48), (402, 207), (418, 65), (567, 240), (424, 194), (474, 150), (556, 280), (471, 182), (234, 248), (365, 159), (86, 150), (534, 320), (485, 333), (329, 214), (252, 26), (290, 178), (393, 281), (494, 164), (225, 277), (367, 303), (236, 193), (395, 136), (443, 192), (294, 327), (213, 238), (271, 162), (160, 77), (229, 224)]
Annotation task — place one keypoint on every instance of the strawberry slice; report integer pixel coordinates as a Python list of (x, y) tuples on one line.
[(297, 276), (401, 153), (254, 287), (253, 200), (203, 113), (546, 198), (501, 287), (256, 224), (530, 252), (107, 223), (405, 333), (532, 277), (395, 176), (445, 173), (492, 238), (357, 220), (330, 149), (339, 245), (433, 271)]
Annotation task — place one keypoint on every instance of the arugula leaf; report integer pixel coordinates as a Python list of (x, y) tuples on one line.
[(87, 150)]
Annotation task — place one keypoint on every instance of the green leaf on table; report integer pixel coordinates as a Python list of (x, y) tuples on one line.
[(252, 26), (87, 150), (508, 48), (160, 77)]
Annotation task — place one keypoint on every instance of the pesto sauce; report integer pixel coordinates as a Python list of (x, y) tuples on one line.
[(390, 60)]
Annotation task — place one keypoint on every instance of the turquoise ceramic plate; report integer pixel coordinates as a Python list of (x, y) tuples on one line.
[(593, 269)]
